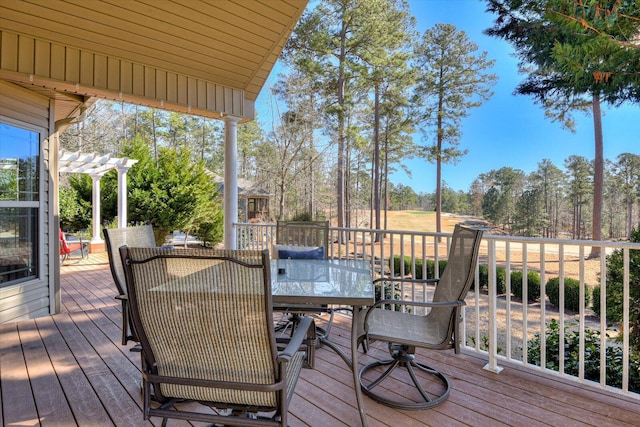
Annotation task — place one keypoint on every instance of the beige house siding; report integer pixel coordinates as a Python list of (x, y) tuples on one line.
[(46, 64), (30, 299)]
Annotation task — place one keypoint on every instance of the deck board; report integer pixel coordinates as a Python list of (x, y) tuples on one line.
[(70, 369), (18, 404)]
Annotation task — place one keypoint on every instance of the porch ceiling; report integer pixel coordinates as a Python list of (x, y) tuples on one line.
[(230, 44)]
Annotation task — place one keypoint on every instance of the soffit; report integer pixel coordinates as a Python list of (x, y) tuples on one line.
[(234, 43)]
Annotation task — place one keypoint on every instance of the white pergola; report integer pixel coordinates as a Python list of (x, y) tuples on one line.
[(96, 166)]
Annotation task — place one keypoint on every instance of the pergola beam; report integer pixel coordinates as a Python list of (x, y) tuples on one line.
[(96, 166)]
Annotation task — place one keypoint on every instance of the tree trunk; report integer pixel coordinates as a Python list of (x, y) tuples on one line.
[(598, 177)]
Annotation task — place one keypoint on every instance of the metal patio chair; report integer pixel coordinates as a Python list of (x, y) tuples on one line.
[(140, 236), (205, 323), (69, 246), (438, 329)]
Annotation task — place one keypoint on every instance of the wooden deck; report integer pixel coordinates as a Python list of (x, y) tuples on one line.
[(70, 369)]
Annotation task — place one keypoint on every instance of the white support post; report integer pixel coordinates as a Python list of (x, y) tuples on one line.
[(122, 196), (96, 239), (230, 180), (493, 326)]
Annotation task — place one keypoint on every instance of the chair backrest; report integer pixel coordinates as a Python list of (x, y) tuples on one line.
[(141, 236), (308, 234), (457, 276), (204, 314)]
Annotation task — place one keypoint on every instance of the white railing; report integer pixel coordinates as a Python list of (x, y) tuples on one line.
[(498, 324)]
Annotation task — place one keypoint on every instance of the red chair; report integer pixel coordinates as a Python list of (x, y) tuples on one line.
[(68, 247)]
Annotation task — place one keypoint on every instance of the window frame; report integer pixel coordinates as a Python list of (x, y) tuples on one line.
[(39, 204)]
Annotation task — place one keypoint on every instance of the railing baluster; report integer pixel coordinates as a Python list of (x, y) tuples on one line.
[(561, 307), (525, 303), (543, 306), (581, 337), (509, 316), (493, 333), (603, 321), (625, 320)]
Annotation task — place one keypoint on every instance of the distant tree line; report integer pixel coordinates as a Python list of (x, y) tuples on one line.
[(549, 202)]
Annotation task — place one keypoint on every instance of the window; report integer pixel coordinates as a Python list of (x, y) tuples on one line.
[(19, 203)]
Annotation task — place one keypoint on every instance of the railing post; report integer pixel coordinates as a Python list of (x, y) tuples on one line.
[(493, 326)]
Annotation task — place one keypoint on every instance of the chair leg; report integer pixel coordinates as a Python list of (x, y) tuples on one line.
[(322, 334), (403, 357), (125, 323)]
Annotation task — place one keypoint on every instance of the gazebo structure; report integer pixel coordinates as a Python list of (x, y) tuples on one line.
[(96, 166), (253, 201)]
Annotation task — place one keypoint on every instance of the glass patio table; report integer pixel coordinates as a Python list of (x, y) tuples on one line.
[(331, 282)]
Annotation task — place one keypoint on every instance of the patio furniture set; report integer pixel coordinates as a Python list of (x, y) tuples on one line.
[(204, 322)]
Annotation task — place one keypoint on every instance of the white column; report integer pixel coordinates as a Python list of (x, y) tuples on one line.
[(122, 196), (97, 237), (230, 180)]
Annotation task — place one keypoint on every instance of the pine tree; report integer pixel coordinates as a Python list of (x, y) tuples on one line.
[(452, 80)]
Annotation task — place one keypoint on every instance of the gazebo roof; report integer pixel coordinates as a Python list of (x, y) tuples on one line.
[(92, 164), (246, 188)]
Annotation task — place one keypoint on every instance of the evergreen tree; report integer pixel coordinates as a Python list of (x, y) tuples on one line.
[(499, 202), (178, 194), (579, 172), (627, 168), (453, 79), (548, 180), (575, 53)]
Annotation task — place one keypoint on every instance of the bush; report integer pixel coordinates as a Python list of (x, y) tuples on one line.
[(419, 267), (211, 233), (615, 279), (613, 363), (533, 285), (483, 271), (390, 292), (571, 293), (397, 268), (501, 278), (615, 290), (595, 301)]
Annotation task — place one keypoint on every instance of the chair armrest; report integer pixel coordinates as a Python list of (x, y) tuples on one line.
[(305, 329), (404, 280)]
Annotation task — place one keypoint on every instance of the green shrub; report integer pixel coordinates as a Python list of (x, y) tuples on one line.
[(390, 292), (483, 271), (571, 293), (501, 278), (595, 301), (615, 290), (398, 268), (533, 285), (419, 267), (211, 233), (571, 345), (615, 278)]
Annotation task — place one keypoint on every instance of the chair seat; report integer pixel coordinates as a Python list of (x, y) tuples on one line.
[(420, 331)]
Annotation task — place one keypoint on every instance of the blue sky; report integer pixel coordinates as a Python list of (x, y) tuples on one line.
[(507, 130)]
